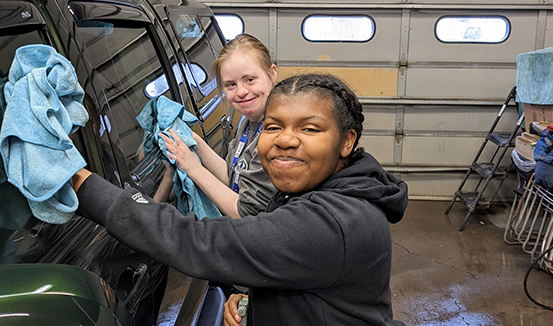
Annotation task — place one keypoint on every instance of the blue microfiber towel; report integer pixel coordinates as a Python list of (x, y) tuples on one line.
[(44, 107), (535, 77), (158, 116), (3, 82), (14, 210)]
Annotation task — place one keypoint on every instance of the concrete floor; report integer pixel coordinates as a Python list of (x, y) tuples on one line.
[(443, 277)]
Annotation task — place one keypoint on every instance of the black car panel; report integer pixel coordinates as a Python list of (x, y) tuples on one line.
[(20, 15), (107, 12)]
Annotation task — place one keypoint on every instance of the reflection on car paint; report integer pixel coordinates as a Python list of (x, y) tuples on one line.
[(159, 86)]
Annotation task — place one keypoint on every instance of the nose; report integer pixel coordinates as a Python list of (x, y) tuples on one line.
[(287, 139), (241, 90)]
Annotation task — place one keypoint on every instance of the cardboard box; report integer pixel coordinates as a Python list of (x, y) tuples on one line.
[(534, 112)]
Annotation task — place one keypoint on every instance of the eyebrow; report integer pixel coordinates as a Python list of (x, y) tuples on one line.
[(304, 119), (242, 77)]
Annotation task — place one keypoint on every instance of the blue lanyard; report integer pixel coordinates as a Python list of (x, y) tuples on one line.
[(239, 150)]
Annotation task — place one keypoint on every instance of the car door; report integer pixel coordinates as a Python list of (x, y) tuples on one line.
[(26, 243), (130, 67), (133, 62), (114, 63)]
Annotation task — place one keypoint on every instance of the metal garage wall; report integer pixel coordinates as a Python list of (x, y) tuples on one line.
[(428, 105)]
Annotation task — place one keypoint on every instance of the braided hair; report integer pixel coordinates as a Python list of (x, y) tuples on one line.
[(347, 109)]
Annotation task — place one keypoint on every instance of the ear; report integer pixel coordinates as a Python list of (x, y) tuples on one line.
[(274, 74), (347, 145)]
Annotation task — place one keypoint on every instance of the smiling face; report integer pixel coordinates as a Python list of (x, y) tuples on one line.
[(246, 84), (301, 145)]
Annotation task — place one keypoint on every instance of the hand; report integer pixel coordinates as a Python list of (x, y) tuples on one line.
[(231, 316), (177, 150)]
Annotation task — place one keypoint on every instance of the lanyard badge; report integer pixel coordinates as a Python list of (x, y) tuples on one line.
[(239, 149)]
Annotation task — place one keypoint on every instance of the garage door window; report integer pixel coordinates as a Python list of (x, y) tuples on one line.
[(231, 25), (339, 28), (472, 29)]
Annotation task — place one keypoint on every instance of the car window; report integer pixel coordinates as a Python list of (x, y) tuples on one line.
[(199, 55), (200, 43), (23, 238), (10, 43), (16, 215), (127, 71), (213, 38)]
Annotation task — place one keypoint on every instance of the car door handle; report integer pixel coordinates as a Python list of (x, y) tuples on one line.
[(141, 280)]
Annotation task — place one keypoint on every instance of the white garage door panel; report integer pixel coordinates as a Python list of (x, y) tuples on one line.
[(460, 83), (374, 2), (457, 151), (379, 118), (434, 185), (424, 47), (445, 184), (439, 151), (381, 147), (459, 118), (383, 47), (549, 29)]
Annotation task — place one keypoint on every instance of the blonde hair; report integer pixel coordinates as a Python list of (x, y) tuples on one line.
[(244, 42)]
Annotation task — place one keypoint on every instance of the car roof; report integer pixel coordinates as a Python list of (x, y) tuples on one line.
[(190, 4)]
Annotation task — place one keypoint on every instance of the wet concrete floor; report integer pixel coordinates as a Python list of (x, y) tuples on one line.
[(443, 277)]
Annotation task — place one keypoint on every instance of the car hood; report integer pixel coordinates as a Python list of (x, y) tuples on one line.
[(54, 295)]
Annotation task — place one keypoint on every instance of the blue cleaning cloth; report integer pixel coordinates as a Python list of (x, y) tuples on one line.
[(158, 116), (3, 82), (44, 107), (535, 77), (14, 210)]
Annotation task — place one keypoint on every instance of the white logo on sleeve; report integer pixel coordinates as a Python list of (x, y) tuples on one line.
[(139, 199)]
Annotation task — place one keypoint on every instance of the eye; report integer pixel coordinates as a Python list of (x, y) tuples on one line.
[(311, 129), (229, 85), (271, 127), (250, 80)]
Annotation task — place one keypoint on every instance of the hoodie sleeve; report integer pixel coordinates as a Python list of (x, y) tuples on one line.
[(282, 249)]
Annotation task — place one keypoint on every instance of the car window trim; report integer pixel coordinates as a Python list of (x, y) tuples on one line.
[(148, 31), (35, 20), (203, 89), (183, 60), (123, 14)]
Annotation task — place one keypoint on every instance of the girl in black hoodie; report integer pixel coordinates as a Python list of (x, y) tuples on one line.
[(320, 254)]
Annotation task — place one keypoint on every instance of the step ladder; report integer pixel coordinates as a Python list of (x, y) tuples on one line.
[(487, 170)]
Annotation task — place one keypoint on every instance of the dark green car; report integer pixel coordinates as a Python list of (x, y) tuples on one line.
[(35, 294), (125, 53)]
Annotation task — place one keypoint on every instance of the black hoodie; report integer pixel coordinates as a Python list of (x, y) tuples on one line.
[(322, 258)]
